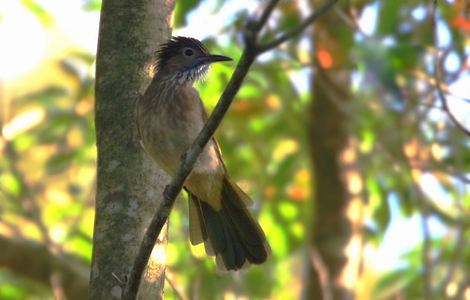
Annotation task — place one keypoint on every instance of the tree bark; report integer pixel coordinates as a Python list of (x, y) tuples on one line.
[(328, 137), (129, 184)]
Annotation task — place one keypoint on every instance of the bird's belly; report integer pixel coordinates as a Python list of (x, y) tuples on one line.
[(166, 145)]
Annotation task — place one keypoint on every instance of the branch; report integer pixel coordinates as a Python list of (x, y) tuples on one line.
[(449, 219), (251, 50), (176, 290), (176, 185), (296, 31), (256, 26), (324, 277), (35, 261), (437, 77), (460, 220), (445, 105)]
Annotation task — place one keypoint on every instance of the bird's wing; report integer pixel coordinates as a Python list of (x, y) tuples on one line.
[(205, 117), (243, 195)]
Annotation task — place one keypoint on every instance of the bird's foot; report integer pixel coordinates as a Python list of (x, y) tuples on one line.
[(166, 192)]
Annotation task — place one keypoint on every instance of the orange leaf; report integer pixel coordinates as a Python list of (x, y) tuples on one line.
[(461, 22), (325, 59)]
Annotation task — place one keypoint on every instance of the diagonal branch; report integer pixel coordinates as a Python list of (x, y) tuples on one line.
[(35, 261), (178, 293), (176, 185), (257, 25), (438, 80), (443, 99), (251, 50), (296, 31)]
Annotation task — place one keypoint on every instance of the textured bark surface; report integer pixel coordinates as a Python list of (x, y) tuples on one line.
[(129, 183), (328, 137)]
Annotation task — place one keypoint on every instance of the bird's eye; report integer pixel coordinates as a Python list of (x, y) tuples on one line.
[(188, 52)]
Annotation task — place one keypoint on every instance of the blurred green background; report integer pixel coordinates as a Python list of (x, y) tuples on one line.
[(406, 165)]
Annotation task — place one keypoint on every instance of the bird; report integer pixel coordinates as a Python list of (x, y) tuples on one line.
[(170, 115)]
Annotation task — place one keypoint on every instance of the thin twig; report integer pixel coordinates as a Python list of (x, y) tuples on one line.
[(323, 275), (351, 21), (250, 52), (444, 103), (257, 25), (461, 221), (437, 77), (296, 31), (57, 286), (176, 290)]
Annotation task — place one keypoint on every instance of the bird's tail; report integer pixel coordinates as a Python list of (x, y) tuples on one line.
[(231, 233)]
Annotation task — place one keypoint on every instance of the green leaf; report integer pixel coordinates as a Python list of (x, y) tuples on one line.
[(393, 282), (382, 215), (389, 20), (42, 14), (92, 5), (10, 183), (288, 210)]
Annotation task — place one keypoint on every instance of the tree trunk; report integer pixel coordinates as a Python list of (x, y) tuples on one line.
[(129, 183), (328, 137)]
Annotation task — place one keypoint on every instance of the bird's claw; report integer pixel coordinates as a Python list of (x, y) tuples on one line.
[(166, 192)]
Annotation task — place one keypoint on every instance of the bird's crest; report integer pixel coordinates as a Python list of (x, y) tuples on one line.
[(174, 45)]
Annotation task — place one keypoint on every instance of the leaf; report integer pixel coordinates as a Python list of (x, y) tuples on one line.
[(393, 282), (284, 170), (389, 20), (42, 14), (92, 5), (10, 183), (382, 215)]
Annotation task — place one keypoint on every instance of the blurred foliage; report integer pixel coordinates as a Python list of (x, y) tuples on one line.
[(13, 286), (47, 158), (407, 149), (181, 10)]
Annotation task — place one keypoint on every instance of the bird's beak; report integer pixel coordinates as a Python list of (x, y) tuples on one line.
[(215, 58)]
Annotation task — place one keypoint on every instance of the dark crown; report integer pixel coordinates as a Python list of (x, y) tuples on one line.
[(173, 46)]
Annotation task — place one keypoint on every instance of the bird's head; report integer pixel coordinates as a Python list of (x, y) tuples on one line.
[(184, 59)]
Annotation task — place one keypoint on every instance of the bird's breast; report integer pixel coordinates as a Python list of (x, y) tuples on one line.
[(168, 128)]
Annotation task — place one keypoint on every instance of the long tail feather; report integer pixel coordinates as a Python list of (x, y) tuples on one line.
[(231, 232)]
